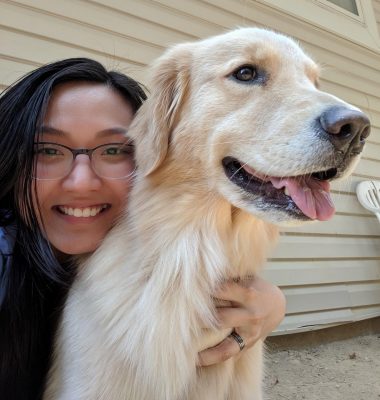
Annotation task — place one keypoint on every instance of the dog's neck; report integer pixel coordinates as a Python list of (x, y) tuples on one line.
[(168, 212)]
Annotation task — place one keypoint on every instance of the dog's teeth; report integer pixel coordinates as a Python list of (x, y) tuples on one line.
[(286, 191)]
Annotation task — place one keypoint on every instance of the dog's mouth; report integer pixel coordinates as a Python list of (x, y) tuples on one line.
[(303, 197)]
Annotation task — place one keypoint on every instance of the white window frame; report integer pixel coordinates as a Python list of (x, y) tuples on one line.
[(360, 29)]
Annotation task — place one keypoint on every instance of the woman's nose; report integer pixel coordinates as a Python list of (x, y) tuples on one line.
[(82, 176)]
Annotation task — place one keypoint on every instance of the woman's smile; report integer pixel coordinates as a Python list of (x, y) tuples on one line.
[(82, 212)]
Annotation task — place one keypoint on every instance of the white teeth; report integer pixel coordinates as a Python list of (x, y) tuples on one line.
[(82, 212), (286, 191)]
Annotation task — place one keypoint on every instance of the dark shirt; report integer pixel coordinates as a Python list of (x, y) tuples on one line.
[(7, 241), (30, 305)]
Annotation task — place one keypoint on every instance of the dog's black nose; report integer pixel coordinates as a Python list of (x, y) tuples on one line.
[(346, 128)]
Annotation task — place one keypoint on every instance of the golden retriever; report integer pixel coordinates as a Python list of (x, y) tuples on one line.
[(235, 139)]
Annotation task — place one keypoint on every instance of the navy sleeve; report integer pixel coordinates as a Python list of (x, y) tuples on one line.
[(7, 240)]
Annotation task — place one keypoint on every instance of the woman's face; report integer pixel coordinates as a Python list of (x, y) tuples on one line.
[(79, 209)]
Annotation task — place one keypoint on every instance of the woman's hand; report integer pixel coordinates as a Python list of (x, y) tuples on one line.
[(256, 308)]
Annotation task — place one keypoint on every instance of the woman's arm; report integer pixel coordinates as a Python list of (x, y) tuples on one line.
[(257, 307)]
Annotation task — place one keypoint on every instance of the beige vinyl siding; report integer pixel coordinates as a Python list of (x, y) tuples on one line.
[(330, 272), (376, 8)]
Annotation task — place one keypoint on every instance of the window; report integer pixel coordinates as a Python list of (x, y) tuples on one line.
[(350, 19), (349, 5)]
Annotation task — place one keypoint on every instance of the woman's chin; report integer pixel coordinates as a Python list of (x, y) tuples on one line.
[(64, 252)]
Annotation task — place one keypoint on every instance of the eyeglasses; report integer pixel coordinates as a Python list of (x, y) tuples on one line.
[(111, 160)]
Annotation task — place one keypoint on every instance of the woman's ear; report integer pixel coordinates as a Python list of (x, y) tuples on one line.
[(157, 118)]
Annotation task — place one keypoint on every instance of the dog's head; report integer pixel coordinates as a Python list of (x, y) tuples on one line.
[(243, 113)]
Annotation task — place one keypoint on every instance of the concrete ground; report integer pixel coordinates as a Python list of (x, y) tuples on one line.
[(342, 368)]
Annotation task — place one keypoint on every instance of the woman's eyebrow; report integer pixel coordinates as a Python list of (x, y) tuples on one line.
[(49, 129), (112, 131), (44, 129)]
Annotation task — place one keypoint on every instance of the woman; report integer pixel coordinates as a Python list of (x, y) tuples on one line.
[(52, 211)]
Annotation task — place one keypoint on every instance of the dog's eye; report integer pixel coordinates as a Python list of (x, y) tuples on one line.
[(247, 73)]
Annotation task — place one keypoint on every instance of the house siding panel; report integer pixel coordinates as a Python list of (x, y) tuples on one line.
[(376, 8)]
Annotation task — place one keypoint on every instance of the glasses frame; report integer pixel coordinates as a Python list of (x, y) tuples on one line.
[(87, 152)]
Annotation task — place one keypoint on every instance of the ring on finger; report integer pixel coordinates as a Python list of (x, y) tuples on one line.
[(238, 339)]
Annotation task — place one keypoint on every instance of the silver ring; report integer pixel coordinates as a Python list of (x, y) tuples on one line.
[(239, 340)]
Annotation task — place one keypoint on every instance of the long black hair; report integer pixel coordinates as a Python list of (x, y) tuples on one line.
[(33, 283)]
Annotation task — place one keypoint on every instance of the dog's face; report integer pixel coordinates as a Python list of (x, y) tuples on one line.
[(244, 111)]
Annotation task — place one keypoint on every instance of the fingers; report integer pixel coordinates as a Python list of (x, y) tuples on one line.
[(223, 351), (264, 301), (243, 292), (229, 317), (254, 307)]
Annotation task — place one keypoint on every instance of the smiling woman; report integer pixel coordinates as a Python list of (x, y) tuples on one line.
[(50, 210), (69, 183)]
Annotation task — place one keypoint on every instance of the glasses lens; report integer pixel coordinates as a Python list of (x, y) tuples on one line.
[(113, 160), (52, 161)]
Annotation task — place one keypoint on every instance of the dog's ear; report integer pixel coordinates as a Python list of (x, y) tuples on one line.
[(159, 115)]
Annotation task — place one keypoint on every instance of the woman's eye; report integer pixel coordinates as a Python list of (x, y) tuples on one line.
[(49, 151), (246, 73), (110, 151), (118, 150), (113, 151)]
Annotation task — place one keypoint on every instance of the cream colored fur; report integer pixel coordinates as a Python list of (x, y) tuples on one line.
[(132, 325)]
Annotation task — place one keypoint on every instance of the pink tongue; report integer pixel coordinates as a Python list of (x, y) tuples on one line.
[(311, 196)]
